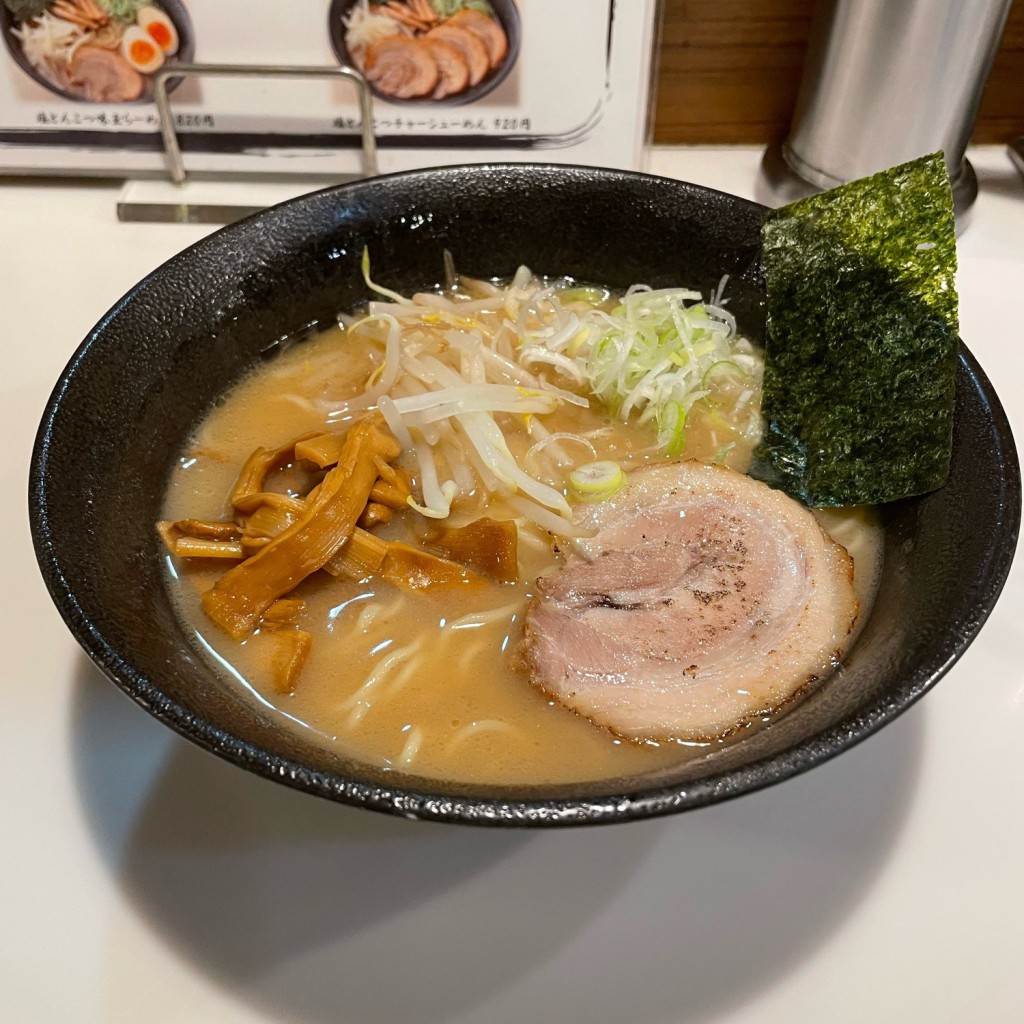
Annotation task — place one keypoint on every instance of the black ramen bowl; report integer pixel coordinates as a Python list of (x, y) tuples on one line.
[(154, 364), (174, 9), (505, 11)]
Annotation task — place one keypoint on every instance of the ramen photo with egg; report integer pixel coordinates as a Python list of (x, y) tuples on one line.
[(100, 51)]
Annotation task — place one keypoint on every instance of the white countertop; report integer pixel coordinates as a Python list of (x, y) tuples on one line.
[(144, 880)]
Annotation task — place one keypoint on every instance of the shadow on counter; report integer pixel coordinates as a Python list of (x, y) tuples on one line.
[(318, 912)]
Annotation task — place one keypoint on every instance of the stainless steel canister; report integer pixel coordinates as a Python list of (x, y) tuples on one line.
[(890, 80)]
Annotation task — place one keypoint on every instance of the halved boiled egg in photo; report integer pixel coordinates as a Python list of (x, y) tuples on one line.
[(140, 50), (153, 21)]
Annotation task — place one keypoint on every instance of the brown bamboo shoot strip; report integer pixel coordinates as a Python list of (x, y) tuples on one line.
[(77, 13), (403, 16), (271, 519), (70, 14), (284, 612), (249, 484), (393, 488), (413, 569), (321, 449), (284, 502), (374, 514), (249, 493), (311, 496), (94, 9), (397, 15), (364, 555), (396, 477), (244, 593), (360, 556), (405, 10), (389, 495), (488, 545), (201, 547), (426, 12), (207, 528), (292, 651), (93, 21), (393, 475), (191, 538)]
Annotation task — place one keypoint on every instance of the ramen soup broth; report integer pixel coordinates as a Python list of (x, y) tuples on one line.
[(425, 682)]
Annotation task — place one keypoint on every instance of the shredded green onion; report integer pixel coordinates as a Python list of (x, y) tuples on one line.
[(654, 355), (671, 420), (725, 371), (593, 296)]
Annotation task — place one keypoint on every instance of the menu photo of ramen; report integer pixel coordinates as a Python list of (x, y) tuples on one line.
[(96, 51), (427, 51)]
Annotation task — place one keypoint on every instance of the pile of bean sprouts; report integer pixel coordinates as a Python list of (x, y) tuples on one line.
[(454, 364)]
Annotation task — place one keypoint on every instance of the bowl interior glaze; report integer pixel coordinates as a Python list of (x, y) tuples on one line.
[(153, 365)]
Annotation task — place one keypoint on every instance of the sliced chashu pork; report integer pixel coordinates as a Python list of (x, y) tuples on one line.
[(452, 66), (401, 67), (468, 44), (104, 76), (490, 33), (704, 601)]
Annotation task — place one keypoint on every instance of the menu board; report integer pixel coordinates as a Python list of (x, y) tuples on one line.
[(453, 81)]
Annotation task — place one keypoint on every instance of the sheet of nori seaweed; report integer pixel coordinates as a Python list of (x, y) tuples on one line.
[(861, 339)]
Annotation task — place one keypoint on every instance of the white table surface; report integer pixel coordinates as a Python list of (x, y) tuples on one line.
[(144, 880)]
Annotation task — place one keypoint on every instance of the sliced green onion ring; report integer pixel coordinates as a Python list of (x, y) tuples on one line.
[(597, 481)]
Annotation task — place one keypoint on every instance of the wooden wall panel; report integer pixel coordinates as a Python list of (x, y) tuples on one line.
[(730, 70), (1001, 116)]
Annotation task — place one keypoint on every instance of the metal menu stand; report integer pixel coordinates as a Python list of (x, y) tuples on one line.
[(171, 205)]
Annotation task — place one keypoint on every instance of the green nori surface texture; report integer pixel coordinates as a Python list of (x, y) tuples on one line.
[(861, 341)]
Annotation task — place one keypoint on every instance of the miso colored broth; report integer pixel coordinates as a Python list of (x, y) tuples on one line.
[(421, 682)]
